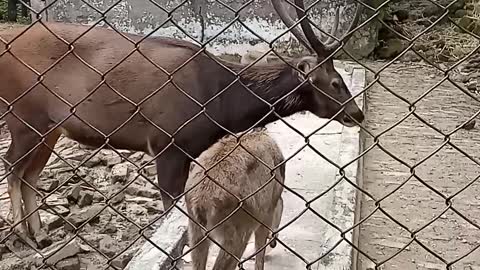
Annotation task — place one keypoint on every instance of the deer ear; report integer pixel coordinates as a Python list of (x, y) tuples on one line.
[(305, 66)]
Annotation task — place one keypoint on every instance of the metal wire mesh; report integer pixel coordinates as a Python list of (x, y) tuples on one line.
[(82, 183)]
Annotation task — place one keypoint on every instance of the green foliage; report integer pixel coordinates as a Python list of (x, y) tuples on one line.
[(19, 8), (3, 10)]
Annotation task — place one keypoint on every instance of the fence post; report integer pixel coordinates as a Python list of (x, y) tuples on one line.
[(12, 10)]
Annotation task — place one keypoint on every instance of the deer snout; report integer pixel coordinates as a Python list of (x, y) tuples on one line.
[(352, 112)]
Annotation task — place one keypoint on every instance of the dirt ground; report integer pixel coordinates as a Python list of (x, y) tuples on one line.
[(432, 219)]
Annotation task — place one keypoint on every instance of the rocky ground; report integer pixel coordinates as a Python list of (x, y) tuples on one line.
[(417, 22), (106, 225), (439, 42)]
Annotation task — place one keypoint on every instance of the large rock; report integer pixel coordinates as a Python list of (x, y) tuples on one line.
[(73, 193), (93, 239), (122, 260), (48, 185), (136, 189), (154, 207), (85, 198), (137, 156), (119, 173), (111, 158), (72, 263), (116, 198), (108, 246), (149, 170), (59, 252), (43, 239), (391, 48), (61, 210), (51, 220), (78, 217), (136, 209), (93, 162), (109, 229), (53, 201)]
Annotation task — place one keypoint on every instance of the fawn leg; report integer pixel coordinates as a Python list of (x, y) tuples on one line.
[(199, 253), (235, 240), (277, 218), (261, 235)]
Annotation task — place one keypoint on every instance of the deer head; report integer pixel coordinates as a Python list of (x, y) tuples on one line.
[(328, 90)]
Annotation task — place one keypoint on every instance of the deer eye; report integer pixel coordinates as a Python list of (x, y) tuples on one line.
[(335, 84)]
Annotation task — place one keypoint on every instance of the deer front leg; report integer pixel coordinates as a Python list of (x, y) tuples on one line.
[(172, 173), (15, 193)]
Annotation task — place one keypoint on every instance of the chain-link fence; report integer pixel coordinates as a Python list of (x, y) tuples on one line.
[(94, 113)]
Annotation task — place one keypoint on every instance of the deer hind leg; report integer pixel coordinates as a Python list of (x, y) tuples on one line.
[(15, 193), (234, 239), (22, 142), (277, 218), (261, 235), (38, 160)]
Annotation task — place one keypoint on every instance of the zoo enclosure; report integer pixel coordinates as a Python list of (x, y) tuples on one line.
[(396, 44)]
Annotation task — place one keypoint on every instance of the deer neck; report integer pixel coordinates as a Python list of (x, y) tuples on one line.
[(271, 82)]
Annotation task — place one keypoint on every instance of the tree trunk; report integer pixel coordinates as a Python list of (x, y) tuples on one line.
[(38, 5), (25, 9), (12, 11)]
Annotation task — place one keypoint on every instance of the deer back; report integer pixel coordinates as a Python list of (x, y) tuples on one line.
[(237, 174)]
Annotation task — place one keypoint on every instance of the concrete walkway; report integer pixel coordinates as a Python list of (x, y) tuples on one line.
[(412, 201), (309, 175)]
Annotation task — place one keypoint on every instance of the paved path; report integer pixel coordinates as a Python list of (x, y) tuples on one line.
[(309, 175), (447, 172)]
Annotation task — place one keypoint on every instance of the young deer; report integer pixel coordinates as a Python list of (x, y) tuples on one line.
[(217, 193)]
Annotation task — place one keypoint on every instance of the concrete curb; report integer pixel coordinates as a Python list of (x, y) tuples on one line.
[(170, 235), (345, 195), (359, 172), (358, 193)]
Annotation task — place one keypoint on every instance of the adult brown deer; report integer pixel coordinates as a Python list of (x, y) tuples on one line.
[(239, 194), (158, 95)]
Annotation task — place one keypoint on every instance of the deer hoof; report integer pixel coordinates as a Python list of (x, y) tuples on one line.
[(19, 240), (273, 244)]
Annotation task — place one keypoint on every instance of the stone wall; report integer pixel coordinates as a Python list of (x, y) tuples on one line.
[(143, 16)]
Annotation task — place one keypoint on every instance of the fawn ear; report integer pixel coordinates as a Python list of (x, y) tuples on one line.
[(304, 66)]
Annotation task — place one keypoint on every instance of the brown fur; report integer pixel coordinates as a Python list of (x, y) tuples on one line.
[(211, 201)]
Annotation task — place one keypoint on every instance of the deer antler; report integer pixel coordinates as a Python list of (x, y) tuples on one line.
[(279, 7), (330, 38), (308, 37), (332, 45)]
